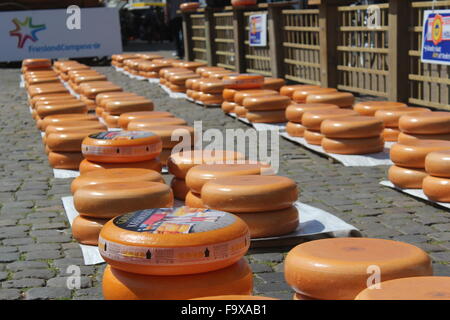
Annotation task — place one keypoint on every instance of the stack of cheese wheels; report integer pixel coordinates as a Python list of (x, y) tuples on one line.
[(409, 159), (234, 83), (38, 71), (118, 59), (294, 114), (312, 120), (369, 108), (102, 98), (205, 91), (427, 125), (46, 89), (63, 118), (64, 67), (77, 77), (177, 82), (89, 90), (265, 203), (121, 149), (436, 184), (266, 109), (166, 73), (191, 65), (239, 96), (180, 163), (352, 135), (273, 83), (36, 65), (176, 253), (126, 118), (150, 69), (411, 288), (197, 176), (300, 95), (341, 99), (87, 229), (289, 90), (340, 268), (391, 118), (189, 6), (112, 108)]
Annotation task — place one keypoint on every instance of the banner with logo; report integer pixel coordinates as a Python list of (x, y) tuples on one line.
[(59, 33), (258, 30), (436, 37)]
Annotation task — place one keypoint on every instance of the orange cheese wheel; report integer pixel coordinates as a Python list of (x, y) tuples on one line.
[(37, 63), (172, 135), (112, 95), (236, 279), (268, 116), (194, 200), (236, 297), (228, 107), (46, 88), (210, 98), (196, 95), (122, 106), (408, 137), (62, 118), (438, 164), (67, 141), (92, 92), (115, 175), (345, 265), (200, 70), (436, 188), (261, 103), (300, 95), (353, 146), (369, 108), (86, 230), (99, 111), (177, 88), (313, 119), (197, 176), (406, 178), (179, 188), (352, 127), (412, 154), (295, 129), (218, 74), (87, 166), (212, 86), (51, 97), (390, 117), (239, 96), (60, 108), (273, 83), (228, 94), (65, 160), (412, 288), (88, 78), (294, 112), (74, 126), (121, 146), (243, 81), (39, 80), (298, 296), (425, 123), (147, 123), (249, 193), (240, 111), (180, 163), (341, 99), (110, 199), (271, 224), (174, 241), (180, 79), (112, 121), (390, 134), (189, 6), (126, 118), (313, 137)]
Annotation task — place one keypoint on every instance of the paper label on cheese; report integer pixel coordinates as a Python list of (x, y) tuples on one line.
[(122, 151), (121, 135)]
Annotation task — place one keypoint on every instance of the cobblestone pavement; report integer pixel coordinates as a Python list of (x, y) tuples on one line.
[(35, 239)]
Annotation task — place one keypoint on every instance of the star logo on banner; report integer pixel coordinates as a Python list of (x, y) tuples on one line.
[(25, 30)]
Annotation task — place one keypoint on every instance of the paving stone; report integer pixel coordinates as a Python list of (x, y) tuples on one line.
[(259, 268), (43, 255), (9, 294), (48, 293), (24, 265), (267, 257), (3, 275), (34, 273), (23, 283), (84, 282), (36, 247)]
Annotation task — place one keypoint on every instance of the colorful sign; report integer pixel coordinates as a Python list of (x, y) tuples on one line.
[(258, 30), (436, 37), (46, 34)]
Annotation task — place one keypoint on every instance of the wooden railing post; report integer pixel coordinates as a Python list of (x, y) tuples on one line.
[(276, 49), (239, 39), (187, 37), (398, 56), (328, 38), (210, 35)]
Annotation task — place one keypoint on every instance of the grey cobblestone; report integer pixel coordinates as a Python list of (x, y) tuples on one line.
[(23, 283), (48, 293)]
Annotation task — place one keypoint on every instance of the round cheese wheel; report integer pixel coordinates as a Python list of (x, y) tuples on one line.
[(62, 118), (235, 297), (438, 164), (341, 99), (126, 118), (353, 146), (147, 123), (180, 79), (115, 175), (313, 137), (406, 178), (110, 199), (352, 127), (200, 70), (239, 96), (197, 176), (412, 154), (65, 160), (249, 193), (294, 112), (33, 81), (112, 95), (46, 88), (390, 117), (228, 107), (37, 63), (210, 98), (268, 116), (99, 111), (74, 126), (271, 224), (67, 141), (179, 188), (436, 188), (60, 108), (262, 103), (212, 86), (174, 241), (87, 78), (273, 83), (177, 88), (121, 146), (425, 123), (122, 106), (196, 95), (91, 92), (240, 111), (194, 200), (87, 166), (300, 95), (369, 108), (228, 94), (189, 6), (243, 81), (51, 97), (236, 279), (112, 121), (314, 118), (390, 134), (345, 265), (298, 296), (172, 135), (295, 129), (86, 230), (412, 288), (410, 137), (180, 163)]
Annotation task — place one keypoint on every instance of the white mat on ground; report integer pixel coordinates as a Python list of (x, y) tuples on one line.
[(418, 193), (173, 95), (102, 121), (368, 160), (153, 80), (269, 126), (22, 82), (244, 120), (313, 221), (65, 174)]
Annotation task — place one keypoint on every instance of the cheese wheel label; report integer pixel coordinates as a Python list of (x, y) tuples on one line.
[(121, 135)]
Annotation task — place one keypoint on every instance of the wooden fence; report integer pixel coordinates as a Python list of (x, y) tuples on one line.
[(364, 49)]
